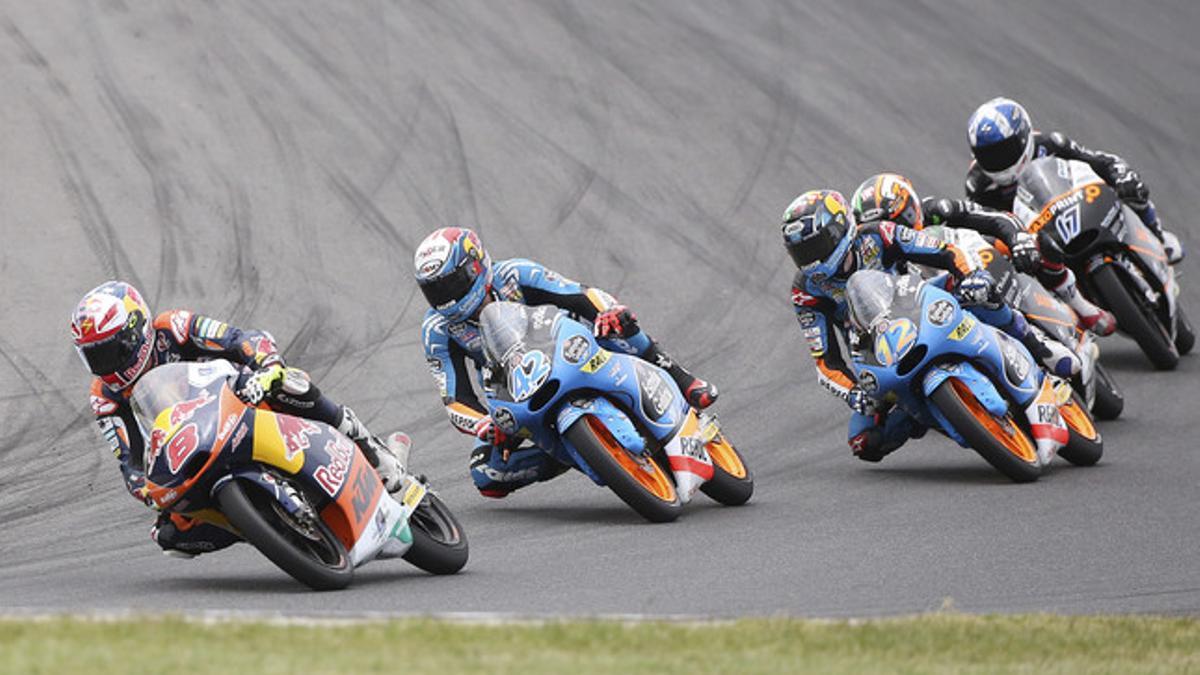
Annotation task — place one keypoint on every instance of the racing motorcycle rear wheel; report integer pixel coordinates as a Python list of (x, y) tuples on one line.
[(1084, 446), (439, 542), (1135, 318), (309, 551), (640, 481), (999, 440), (732, 483)]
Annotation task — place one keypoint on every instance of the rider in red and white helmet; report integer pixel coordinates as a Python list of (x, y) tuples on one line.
[(119, 340)]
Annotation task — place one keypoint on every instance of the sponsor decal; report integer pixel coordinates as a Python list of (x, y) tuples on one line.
[(960, 331), (182, 412), (543, 316), (906, 234), (597, 361), (868, 382), (940, 312), (365, 486), (180, 319), (802, 299), (227, 426), (181, 446), (295, 432), (574, 349), (331, 476), (656, 392), (1016, 366), (504, 419), (1067, 224), (868, 251), (807, 320), (816, 341)]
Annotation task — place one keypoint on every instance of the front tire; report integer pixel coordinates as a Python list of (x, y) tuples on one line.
[(439, 542), (1084, 445), (1185, 334), (1136, 319), (732, 483), (317, 559), (641, 482), (1000, 441)]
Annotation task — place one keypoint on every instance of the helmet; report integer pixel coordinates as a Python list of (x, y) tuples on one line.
[(1001, 138), (817, 231), (454, 272), (887, 196), (113, 333)]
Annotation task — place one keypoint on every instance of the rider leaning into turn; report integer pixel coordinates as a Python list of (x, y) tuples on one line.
[(890, 196), (458, 279), (828, 245), (1003, 142), (119, 341)]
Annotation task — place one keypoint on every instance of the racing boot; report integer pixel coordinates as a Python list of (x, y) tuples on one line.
[(1172, 246), (1051, 353), (379, 454), (1091, 317), (1170, 242), (699, 393)]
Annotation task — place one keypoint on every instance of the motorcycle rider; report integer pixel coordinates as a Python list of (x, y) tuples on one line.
[(891, 197), (458, 278), (828, 245), (1003, 142), (119, 340)]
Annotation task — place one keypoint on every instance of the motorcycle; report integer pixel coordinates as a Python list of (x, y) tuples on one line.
[(619, 420), (923, 352), (1048, 315), (297, 490), (1119, 263)]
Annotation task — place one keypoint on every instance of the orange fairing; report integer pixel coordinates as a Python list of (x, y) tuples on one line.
[(229, 412), (351, 512)]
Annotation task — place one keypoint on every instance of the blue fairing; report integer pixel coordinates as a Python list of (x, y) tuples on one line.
[(933, 339), (636, 400)]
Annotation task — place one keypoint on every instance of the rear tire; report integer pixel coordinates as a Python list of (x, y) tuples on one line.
[(439, 542), (601, 454), (953, 404), (1109, 402), (1084, 445), (1136, 319), (1185, 334), (249, 510), (732, 483)]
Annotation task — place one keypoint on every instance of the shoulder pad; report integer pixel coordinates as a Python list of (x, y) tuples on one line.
[(433, 332), (800, 295), (178, 321)]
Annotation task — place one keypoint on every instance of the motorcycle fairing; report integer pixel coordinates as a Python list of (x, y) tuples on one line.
[(613, 418)]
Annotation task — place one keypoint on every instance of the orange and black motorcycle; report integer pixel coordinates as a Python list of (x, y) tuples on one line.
[(299, 491)]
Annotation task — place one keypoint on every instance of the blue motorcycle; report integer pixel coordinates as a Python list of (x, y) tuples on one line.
[(920, 350), (618, 419)]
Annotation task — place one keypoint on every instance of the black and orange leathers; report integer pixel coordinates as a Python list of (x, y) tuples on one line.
[(179, 335), (820, 304), (981, 189)]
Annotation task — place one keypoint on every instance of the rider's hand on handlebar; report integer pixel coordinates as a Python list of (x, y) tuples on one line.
[(259, 384), (976, 288), (487, 431), (1024, 252), (1130, 188), (616, 321), (860, 401)]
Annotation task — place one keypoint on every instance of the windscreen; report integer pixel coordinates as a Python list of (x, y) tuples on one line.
[(158, 390), (504, 325), (869, 294), (1043, 181)]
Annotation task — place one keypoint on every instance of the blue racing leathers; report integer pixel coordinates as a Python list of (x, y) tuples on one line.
[(820, 306), (495, 470)]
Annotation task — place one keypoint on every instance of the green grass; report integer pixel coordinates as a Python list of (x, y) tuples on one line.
[(945, 642)]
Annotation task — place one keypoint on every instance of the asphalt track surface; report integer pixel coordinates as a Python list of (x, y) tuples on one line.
[(274, 164)]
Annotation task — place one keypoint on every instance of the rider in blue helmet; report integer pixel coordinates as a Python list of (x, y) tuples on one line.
[(1003, 142), (827, 244), (458, 277)]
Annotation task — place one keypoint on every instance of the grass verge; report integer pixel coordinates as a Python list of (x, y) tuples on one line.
[(939, 643)]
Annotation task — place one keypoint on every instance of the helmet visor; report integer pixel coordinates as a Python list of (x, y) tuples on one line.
[(1003, 155), (114, 354), (817, 247), (444, 291)]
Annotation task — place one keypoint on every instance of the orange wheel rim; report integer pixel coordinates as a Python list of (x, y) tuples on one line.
[(647, 473), (1004, 430), (1078, 419), (724, 456)]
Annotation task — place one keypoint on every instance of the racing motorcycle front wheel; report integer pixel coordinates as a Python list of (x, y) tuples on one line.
[(999, 440), (1109, 402), (640, 481), (732, 483), (1136, 318), (439, 542), (1084, 445), (305, 548)]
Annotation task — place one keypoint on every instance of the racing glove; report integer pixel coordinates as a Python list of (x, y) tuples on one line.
[(977, 288), (262, 383), (1024, 252), (487, 431), (616, 322), (1129, 186), (860, 401)]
